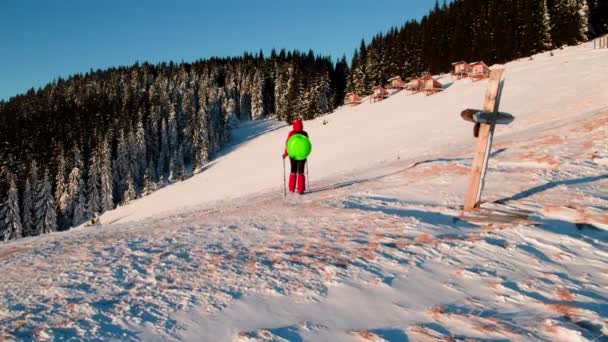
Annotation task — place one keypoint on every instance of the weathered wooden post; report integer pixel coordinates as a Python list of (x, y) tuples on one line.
[(485, 120)]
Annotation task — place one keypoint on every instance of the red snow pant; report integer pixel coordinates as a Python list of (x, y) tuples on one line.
[(297, 175)]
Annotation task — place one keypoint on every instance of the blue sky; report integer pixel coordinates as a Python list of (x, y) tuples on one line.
[(42, 40)]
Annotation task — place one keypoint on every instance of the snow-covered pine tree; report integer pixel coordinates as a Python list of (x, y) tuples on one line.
[(359, 77), (257, 96), (9, 213), (545, 25), (180, 166), (292, 94), (304, 99), (105, 177), (351, 80), (566, 21), (245, 101), (189, 108), (323, 93), (280, 91), (46, 216), (172, 169), (172, 131), (93, 185), (79, 207), (586, 30), (137, 142), (27, 209), (120, 167), (75, 190), (61, 195), (373, 65), (149, 185), (33, 176), (201, 137), (130, 193), (162, 165)]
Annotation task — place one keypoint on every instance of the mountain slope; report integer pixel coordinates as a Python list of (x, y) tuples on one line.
[(379, 250), (547, 88)]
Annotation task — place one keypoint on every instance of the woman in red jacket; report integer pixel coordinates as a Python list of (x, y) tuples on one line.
[(297, 166)]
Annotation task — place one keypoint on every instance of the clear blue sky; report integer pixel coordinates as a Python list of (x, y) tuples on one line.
[(42, 40)]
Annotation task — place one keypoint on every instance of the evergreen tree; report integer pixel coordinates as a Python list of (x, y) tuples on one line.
[(93, 185), (598, 17), (106, 186), (257, 96), (79, 210), (339, 81), (120, 167), (163, 158), (61, 195), (46, 216), (11, 227), (129, 194), (27, 210), (75, 191), (149, 185)]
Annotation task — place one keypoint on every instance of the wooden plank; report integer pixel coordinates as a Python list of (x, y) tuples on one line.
[(483, 144)]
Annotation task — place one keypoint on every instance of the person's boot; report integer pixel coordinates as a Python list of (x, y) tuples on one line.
[(301, 184), (292, 182)]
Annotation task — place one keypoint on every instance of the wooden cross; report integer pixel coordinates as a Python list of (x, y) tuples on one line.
[(486, 120)]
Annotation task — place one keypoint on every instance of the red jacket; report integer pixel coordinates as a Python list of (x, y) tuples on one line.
[(298, 128)]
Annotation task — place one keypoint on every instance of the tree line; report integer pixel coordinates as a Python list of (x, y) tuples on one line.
[(83, 145), (493, 31)]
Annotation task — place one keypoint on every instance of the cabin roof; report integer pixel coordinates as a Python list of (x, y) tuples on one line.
[(395, 78), (479, 63), (461, 62)]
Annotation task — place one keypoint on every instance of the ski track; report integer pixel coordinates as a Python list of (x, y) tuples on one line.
[(376, 259)]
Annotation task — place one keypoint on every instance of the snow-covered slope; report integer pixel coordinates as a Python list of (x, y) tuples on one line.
[(544, 89), (379, 250)]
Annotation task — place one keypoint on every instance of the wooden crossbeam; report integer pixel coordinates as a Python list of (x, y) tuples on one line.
[(483, 145)]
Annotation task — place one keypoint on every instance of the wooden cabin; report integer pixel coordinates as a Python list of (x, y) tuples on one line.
[(396, 83), (378, 94), (431, 86), (413, 85), (461, 69), (479, 71), (352, 99)]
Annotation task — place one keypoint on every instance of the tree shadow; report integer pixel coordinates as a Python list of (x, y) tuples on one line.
[(371, 179), (352, 182), (448, 160), (391, 335), (587, 233), (430, 217), (550, 185), (246, 132)]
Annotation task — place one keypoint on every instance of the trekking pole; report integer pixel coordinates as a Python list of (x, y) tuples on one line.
[(307, 178), (284, 181)]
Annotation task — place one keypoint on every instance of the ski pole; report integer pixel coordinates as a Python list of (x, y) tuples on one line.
[(284, 182)]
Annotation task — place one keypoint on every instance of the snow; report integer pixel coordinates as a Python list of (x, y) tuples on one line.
[(349, 142), (378, 250)]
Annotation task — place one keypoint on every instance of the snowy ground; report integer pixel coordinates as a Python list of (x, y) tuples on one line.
[(383, 253)]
